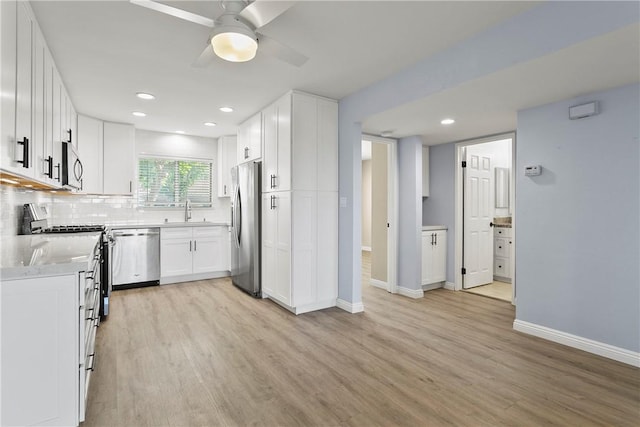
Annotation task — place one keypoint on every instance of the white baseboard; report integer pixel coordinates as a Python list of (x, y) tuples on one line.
[(432, 286), (411, 293), (366, 248), (601, 349), (449, 286), (350, 307), (379, 284)]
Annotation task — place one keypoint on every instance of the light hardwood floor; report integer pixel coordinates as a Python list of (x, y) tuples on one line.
[(498, 290), (206, 354)]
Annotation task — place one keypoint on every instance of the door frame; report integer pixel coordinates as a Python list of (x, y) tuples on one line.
[(392, 208), (459, 220)]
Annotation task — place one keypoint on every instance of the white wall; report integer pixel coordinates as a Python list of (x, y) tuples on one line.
[(578, 231)]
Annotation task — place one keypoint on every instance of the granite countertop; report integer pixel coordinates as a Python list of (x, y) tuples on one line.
[(433, 227), (46, 254), (170, 224)]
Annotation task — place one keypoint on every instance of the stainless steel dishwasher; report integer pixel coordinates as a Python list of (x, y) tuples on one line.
[(135, 257)]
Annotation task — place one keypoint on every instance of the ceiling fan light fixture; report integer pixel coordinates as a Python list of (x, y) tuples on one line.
[(235, 44)]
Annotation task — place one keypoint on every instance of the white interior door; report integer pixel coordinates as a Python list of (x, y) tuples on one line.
[(478, 234)]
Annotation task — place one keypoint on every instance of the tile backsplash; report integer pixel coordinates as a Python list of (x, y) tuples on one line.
[(70, 209)]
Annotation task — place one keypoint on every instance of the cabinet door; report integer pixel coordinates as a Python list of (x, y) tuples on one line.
[(305, 143), (327, 145), (8, 74), (270, 153), (269, 230), (176, 257), (208, 254), (282, 207), (250, 139), (425, 171), (119, 158), (56, 130), (40, 351), (24, 91), (440, 257), (226, 160), (39, 110), (90, 147), (428, 239), (282, 181)]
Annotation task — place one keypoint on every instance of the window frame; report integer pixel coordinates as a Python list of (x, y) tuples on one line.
[(181, 204)]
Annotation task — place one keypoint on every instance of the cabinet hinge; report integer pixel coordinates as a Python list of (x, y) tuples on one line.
[(464, 270), (464, 163)]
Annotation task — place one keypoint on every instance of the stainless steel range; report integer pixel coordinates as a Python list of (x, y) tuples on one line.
[(35, 221)]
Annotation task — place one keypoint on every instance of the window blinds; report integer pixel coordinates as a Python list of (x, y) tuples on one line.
[(170, 182)]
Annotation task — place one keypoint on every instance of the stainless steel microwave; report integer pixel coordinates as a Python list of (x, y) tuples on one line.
[(72, 168)]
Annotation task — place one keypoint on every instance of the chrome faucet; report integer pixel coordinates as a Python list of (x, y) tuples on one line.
[(187, 211)]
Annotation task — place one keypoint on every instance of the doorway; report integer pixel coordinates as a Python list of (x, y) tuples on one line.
[(379, 210), (485, 223)]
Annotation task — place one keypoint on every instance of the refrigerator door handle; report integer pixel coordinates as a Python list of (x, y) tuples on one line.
[(238, 222)]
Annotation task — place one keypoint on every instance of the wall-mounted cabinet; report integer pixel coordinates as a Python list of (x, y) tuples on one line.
[(227, 152), (250, 139), (90, 146), (119, 158), (37, 113)]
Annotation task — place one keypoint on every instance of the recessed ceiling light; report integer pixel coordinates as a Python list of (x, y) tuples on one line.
[(209, 124), (447, 121), (226, 109), (181, 132), (143, 95), (138, 114)]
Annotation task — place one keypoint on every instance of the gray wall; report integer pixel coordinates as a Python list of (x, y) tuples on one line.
[(516, 40), (410, 215), (439, 207), (578, 231)]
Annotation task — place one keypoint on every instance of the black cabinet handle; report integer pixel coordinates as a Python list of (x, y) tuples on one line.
[(491, 224), (499, 247), (25, 152), (58, 168), (273, 202), (246, 152), (49, 172), (273, 181), (224, 190), (435, 236), (190, 243), (195, 246), (69, 136)]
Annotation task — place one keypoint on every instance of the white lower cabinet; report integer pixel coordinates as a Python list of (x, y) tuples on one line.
[(502, 246), (434, 256), (299, 247), (193, 253), (48, 334)]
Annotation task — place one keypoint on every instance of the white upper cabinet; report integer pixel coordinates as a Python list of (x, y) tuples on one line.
[(37, 113), (300, 144), (90, 148), (226, 161), (119, 158), (250, 139)]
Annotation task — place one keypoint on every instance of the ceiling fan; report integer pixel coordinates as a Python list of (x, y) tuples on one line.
[(234, 36)]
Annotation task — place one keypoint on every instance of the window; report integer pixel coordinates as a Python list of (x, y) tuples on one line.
[(164, 182)]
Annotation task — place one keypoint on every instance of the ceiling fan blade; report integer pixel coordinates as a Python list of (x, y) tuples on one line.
[(173, 11), (260, 13), (206, 58), (274, 48)]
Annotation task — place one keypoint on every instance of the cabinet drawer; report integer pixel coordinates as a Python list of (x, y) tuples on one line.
[(501, 247), (209, 232), (502, 232), (501, 267), (176, 233)]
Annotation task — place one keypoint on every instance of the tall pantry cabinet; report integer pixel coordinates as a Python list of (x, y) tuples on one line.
[(300, 202)]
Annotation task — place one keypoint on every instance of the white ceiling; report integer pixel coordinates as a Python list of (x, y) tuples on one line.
[(107, 51), (488, 105)]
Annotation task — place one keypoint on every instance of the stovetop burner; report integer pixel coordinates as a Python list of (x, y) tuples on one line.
[(74, 229)]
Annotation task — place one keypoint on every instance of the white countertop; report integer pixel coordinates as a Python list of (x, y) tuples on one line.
[(433, 227), (170, 224), (46, 254)]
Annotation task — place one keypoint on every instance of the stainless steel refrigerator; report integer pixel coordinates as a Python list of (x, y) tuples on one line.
[(245, 227)]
